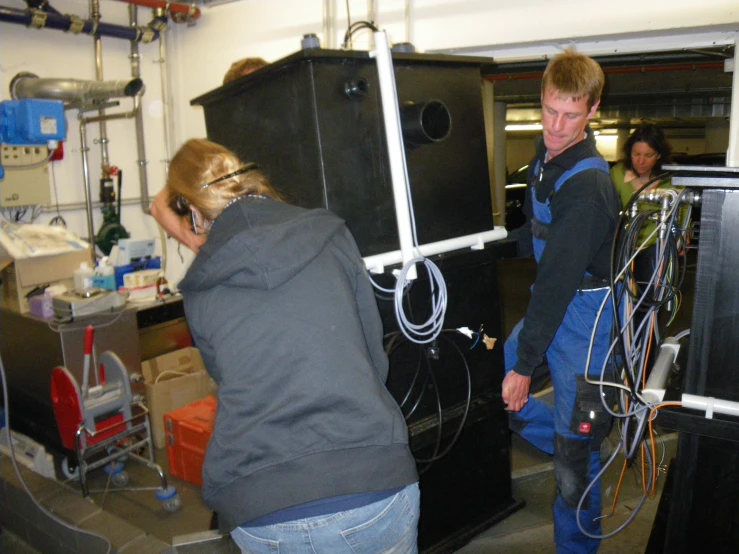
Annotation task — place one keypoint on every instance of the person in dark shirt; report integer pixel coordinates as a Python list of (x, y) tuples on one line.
[(573, 211)]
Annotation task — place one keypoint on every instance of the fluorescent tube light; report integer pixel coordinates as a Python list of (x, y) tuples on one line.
[(523, 127)]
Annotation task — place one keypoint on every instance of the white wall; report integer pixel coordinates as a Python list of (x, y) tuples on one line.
[(55, 54), (199, 56)]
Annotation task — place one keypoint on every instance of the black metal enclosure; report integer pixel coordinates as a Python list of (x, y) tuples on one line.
[(314, 122), (699, 508)]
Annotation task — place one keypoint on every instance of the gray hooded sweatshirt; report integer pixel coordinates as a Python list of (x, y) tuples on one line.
[(282, 310)]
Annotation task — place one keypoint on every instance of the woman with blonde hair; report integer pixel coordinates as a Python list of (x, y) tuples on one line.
[(310, 451)]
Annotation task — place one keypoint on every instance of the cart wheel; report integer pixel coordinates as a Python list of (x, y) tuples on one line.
[(173, 504), (169, 497), (113, 450), (72, 472), (120, 479)]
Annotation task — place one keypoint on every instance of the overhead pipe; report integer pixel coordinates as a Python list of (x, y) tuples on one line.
[(39, 19), (69, 91), (180, 13)]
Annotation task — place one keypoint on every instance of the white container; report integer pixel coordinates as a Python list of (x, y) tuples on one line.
[(104, 275), (83, 277)]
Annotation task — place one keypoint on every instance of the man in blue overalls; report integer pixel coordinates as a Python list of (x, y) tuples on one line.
[(573, 210)]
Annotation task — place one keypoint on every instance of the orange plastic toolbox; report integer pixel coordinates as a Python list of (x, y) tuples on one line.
[(188, 430)]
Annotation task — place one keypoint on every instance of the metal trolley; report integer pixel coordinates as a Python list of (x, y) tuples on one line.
[(102, 424)]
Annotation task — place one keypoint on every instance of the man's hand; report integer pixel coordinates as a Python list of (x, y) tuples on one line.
[(515, 391)]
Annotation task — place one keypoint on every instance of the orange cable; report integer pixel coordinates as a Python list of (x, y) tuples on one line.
[(618, 488)]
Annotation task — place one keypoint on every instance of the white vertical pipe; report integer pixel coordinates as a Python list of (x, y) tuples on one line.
[(166, 96), (732, 155), (408, 8), (329, 17), (372, 18), (396, 151)]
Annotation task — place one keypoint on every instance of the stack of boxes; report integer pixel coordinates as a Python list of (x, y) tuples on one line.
[(188, 430)]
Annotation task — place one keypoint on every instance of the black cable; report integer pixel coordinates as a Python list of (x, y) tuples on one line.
[(612, 276), (348, 18), (468, 402), (356, 26)]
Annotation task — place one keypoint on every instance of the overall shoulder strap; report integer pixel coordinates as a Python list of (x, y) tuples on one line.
[(596, 162)]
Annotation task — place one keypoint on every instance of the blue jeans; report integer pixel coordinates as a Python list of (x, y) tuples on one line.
[(389, 526)]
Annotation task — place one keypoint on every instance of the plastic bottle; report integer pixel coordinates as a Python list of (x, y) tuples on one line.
[(83, 277), (104, 275)]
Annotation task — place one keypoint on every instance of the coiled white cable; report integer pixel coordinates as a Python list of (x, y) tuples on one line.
[(428, 331)]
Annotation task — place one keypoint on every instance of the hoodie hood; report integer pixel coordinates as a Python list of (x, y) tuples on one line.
[(260, 243)]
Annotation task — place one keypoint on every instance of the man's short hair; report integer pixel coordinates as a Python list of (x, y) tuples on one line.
[(574, 75), (242, 67)]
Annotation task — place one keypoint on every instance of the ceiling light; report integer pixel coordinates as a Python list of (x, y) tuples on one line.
[(523, 127)]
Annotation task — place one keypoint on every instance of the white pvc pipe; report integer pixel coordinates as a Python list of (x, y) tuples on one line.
[(710, 405), (396, 152), (378, 262)]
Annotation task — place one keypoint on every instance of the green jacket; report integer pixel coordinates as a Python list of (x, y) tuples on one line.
[(626, 191)]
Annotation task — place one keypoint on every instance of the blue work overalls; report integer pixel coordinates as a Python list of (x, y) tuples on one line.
[(577, 424)]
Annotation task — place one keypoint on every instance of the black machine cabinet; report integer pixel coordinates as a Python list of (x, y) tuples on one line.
[(314, 122), (699, 509), (469, 487)]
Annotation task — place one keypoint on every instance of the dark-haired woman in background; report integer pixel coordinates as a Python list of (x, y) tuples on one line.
[(645, 152)]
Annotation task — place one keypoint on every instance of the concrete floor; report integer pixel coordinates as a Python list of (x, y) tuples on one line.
[(528, 530)]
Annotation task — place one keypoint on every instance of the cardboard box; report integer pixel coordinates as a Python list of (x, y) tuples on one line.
[(188, 432), (174, 380), (22, 276)]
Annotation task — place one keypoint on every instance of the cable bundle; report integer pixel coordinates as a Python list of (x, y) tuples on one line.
[(637, 333)]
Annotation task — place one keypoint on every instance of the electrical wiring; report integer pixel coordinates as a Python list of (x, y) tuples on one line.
[(22, 481), (353, 28), (396, 340), (637, 331), (57, 219), (426, 332)]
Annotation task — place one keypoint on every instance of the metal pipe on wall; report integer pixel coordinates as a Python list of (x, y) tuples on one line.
[(328, 24), (177, 11), (98, 46), (86, 181), (141, 160), (84, 121), (408, 9), (71, 91), (164, 76)]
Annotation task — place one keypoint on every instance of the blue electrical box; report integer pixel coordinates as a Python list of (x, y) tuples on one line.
[(32, 121)]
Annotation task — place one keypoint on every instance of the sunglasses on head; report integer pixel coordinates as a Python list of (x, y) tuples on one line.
[(251, 166)]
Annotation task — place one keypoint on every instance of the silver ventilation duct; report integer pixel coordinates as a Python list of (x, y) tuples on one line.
[(72, 91)]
